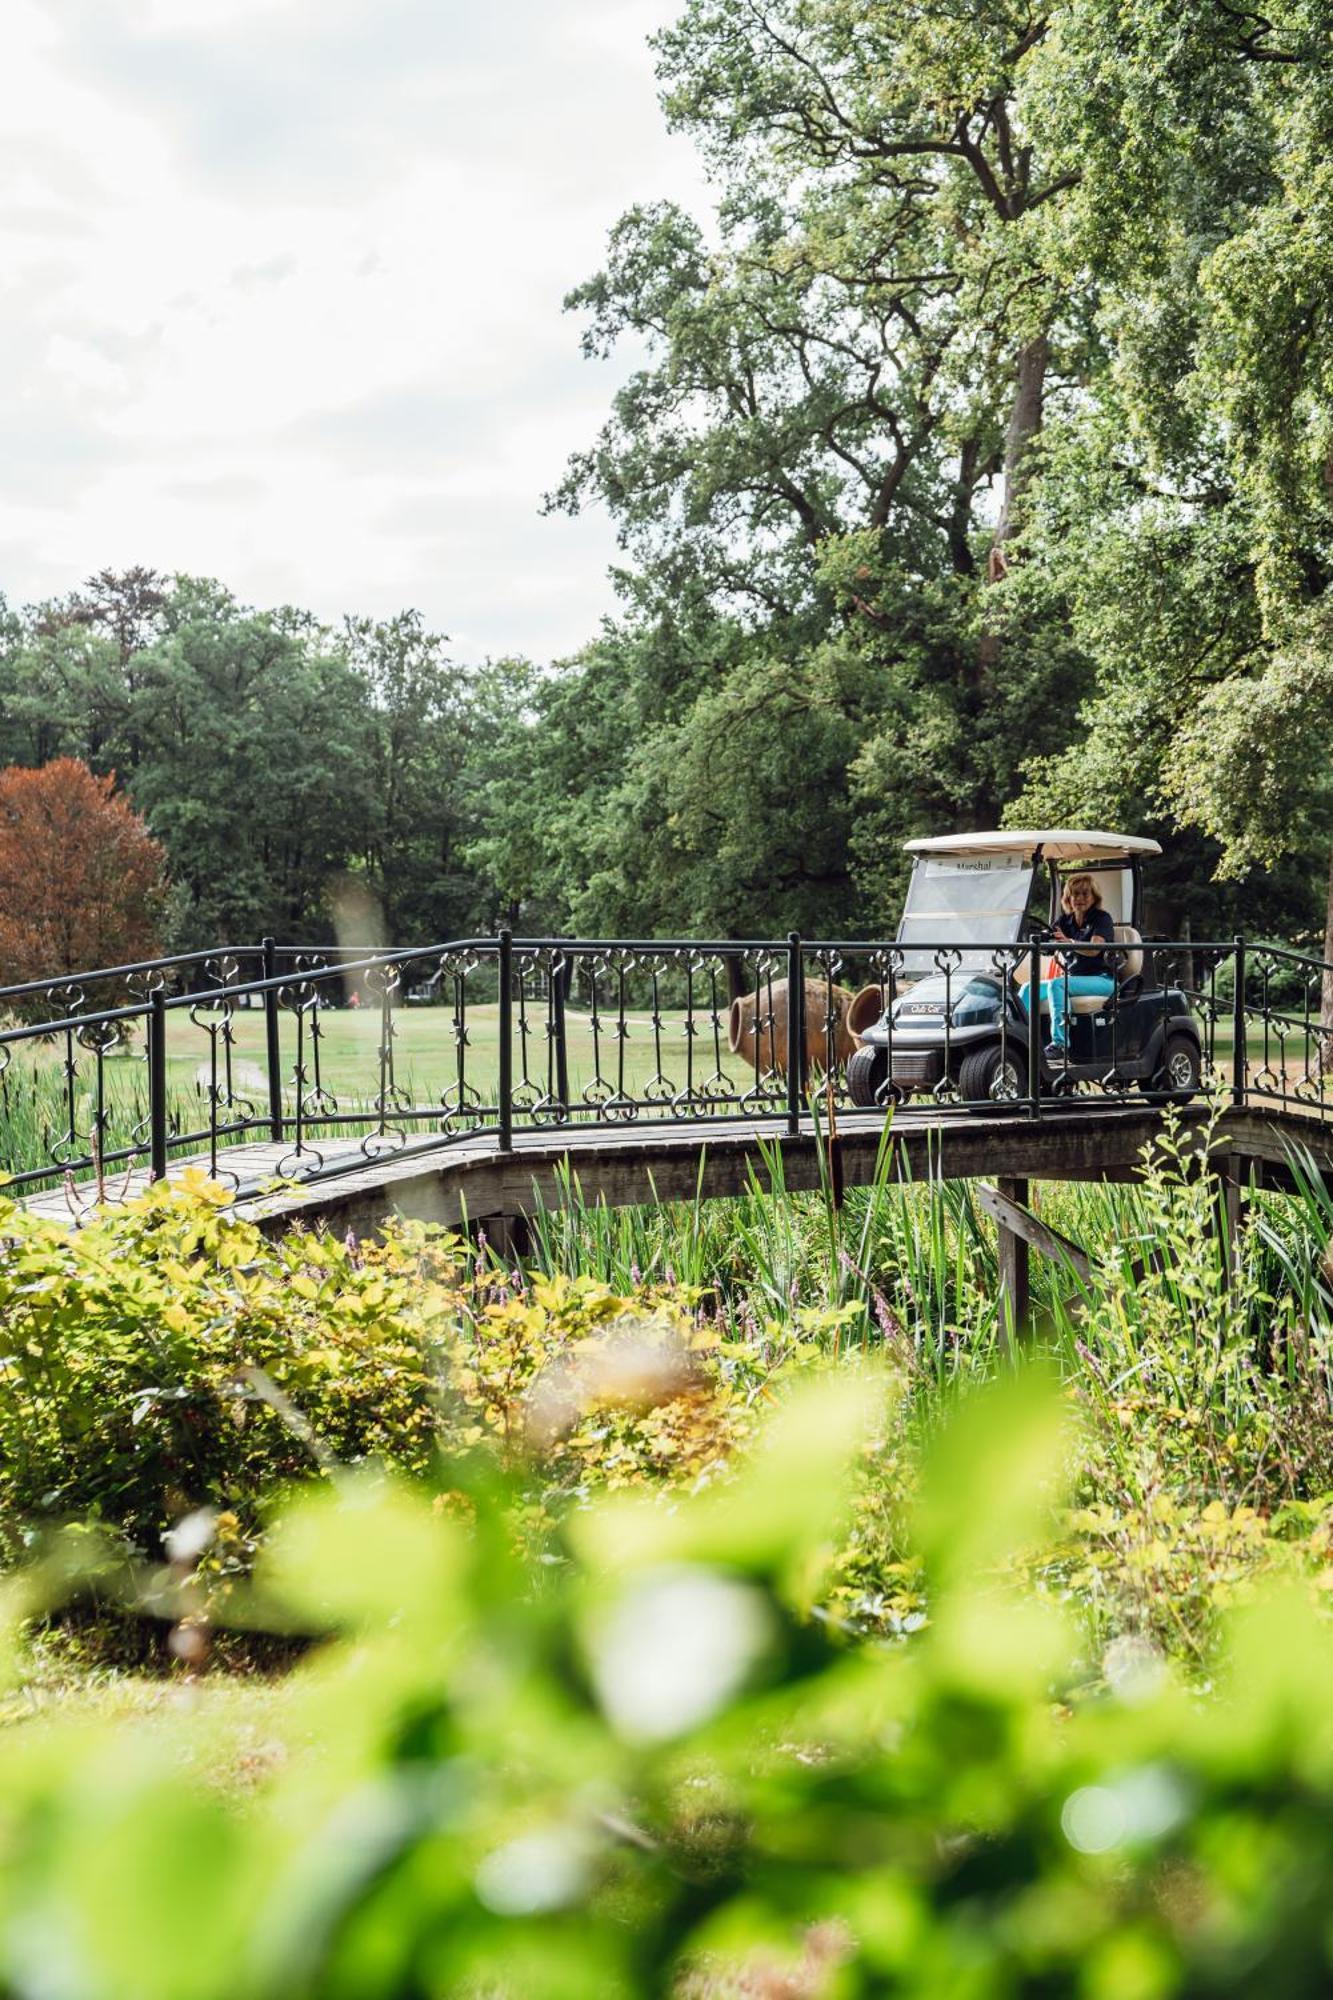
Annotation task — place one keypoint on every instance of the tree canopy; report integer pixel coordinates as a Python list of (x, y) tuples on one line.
[(278, 761), (977, 460), (82, 881), (988, 417)]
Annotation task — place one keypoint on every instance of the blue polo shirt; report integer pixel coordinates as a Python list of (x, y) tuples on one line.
[(1086, 964)]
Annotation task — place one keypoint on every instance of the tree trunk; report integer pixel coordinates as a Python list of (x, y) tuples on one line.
[(1326, 985), (1024, 424), (960, 514), (1025, 417), (1325, 989)]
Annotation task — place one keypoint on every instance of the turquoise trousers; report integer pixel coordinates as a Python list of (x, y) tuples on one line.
[(1056, 995)]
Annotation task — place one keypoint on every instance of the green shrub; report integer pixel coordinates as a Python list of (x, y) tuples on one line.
[(136, 1351), (167, 1357)]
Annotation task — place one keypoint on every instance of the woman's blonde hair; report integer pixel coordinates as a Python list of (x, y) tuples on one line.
[(1070, 884)]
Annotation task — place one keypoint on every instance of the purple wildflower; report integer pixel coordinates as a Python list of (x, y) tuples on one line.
[(885, 1317)]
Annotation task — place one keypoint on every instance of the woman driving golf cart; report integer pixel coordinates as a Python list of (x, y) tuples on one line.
[(958, 1026), (1086, 930)]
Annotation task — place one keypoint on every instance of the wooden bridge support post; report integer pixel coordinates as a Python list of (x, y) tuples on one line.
[(1015, 1286), (1229, 1212), (508, 1236)]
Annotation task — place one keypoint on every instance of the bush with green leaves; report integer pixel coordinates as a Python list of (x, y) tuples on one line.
[(645, 1768), (137, 1353), (168, 1357)]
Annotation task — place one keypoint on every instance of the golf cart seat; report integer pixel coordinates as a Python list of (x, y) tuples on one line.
[(1127, 965), (1131, 966)]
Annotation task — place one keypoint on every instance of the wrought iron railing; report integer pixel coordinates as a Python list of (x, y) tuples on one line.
[(126, 1068)]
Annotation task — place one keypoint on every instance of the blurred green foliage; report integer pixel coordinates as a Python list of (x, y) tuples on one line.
[(643, 1768)]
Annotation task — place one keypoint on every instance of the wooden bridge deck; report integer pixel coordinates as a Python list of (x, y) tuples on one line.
[(471, 1180)]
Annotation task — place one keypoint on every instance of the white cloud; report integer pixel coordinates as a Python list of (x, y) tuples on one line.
[(283, 296)]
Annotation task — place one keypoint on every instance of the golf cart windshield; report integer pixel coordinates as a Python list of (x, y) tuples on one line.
[(962, 900)]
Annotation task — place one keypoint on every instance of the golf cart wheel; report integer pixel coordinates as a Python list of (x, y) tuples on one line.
[(1179, 1076), (996, 1073), (866, 1072)]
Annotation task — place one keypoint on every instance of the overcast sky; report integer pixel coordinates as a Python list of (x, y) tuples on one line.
[(282, 288)]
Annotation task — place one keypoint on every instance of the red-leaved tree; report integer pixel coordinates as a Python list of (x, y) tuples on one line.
[(82, 881)]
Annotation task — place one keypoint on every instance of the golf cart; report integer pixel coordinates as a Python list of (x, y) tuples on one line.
[(956, 1026)]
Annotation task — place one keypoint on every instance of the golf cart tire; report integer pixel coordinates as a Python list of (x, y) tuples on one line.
[(981, 1071), (1171, 1080), (866, 1072)]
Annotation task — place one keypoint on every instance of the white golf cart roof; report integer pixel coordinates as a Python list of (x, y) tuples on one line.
[(1057, 843)]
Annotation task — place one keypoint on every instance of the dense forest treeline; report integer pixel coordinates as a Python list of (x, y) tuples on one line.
[(300, 778), (981, 465)]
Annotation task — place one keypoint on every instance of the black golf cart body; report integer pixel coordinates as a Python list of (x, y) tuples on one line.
[(956, 1025)]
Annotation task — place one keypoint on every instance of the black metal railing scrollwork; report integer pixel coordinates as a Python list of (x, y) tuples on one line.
[(308, 1060)]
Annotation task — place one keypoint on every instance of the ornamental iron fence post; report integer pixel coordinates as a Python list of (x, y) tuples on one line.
[(795, 1031), (1239, 1052), (560, 971), (273, 1042), (1034, 1030), (505, 1107), (157, 1085)]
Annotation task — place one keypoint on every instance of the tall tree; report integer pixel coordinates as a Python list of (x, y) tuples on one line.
[(825, 458), (867, 341), (1187, 513), (255, 765), (243, 736), (420, 724), (82, 881)]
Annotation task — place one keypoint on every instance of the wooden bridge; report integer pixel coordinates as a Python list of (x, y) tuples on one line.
[(478, 1183), (609, 1064), (474, 1183)]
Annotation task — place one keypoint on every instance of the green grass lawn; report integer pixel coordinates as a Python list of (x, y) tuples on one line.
[(229, 1732), (425, 1056), (426, 1053)]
